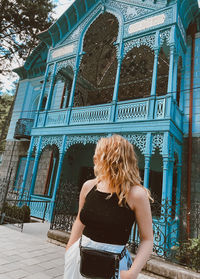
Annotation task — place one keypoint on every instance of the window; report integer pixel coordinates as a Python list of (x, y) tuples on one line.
[(65, 95), (20, 173)]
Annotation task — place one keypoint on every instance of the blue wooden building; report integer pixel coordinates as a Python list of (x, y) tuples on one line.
[(130, 67)]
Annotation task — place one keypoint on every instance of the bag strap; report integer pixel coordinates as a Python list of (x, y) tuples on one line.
[(123, 253)]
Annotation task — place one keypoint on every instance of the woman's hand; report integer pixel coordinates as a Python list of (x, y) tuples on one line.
[(126, 274)]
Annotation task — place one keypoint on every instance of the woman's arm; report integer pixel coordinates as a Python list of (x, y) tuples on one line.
[(78, 226), (141, 206)]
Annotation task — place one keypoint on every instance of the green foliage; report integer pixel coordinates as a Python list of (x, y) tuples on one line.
[(188, 253), (26, 213), (15, 213), (21, 21), (6, 102)]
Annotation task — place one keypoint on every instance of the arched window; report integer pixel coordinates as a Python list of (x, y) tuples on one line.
[(163, 71), (136, 74), (96, 77)]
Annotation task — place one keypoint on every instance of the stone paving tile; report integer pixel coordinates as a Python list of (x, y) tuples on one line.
[(39, 275), (57, 271), (32, 268), (17, 274), (48, 265), (3, 276)]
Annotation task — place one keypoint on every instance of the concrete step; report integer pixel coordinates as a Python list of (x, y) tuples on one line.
[(148, 275), (144, 276), (157, 267)]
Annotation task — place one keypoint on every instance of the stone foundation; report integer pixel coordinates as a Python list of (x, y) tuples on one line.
[(13, 151)]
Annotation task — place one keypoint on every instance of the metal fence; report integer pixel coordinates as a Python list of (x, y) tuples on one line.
[(170, 232), (65, 207), (17, 207)]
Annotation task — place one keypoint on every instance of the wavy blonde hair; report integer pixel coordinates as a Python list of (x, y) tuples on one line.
[(115, 162)]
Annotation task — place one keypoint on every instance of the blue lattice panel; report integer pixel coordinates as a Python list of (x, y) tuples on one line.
[(40, 207)]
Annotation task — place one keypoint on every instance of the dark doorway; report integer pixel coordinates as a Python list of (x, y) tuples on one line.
[(86, 173)]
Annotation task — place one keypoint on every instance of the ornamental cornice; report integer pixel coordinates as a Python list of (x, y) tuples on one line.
[(147, 4), (85, 139), (129, 11), (139, 140), (145, 24), (146, 40), (71, 62), (52, 140)]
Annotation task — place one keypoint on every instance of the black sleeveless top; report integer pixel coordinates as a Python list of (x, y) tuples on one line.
[(105, 221)]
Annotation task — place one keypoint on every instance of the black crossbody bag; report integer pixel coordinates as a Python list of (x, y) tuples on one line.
[(99, 263)]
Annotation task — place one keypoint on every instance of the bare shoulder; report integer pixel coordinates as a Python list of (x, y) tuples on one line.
[(137, 195), (87, 186)]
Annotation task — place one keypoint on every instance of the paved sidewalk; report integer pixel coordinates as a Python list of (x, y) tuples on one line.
[(29, 255)]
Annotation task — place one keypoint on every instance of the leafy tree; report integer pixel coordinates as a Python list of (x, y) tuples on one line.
[(20, 22), (6, 107)]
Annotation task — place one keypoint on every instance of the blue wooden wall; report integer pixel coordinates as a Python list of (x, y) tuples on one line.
[(196, 93)]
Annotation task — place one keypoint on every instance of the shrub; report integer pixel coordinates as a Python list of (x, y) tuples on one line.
[(26, 213), (188, 253), (15, 213)]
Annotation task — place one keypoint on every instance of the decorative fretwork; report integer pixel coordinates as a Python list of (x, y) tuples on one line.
[(131, 112), (36, 142), (170, 232), (129, 11), (146, 40), (149, 3), (52, 140), (139, 140), (86, 139), (50, 70), (75, 34), (89, 20), (157, 142), (165, 228), (66, 63), (160, 108), (165, 36)]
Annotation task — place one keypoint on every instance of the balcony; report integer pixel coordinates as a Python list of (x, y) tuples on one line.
[(23, 128), (147, 109)]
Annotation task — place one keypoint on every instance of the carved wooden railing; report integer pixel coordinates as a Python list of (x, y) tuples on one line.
[(162, 107), (91, 114)]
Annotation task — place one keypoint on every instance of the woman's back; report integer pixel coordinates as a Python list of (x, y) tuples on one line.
[(105, 221)]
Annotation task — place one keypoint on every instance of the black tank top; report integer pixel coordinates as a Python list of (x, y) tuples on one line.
[(105, 221)]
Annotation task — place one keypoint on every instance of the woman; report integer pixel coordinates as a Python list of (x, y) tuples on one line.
[(108, 207)]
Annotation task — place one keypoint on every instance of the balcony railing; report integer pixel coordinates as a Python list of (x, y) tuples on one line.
[(23, 128), (162, 107)]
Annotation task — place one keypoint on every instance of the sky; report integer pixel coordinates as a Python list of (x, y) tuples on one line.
[(8, 81)]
